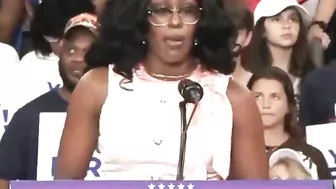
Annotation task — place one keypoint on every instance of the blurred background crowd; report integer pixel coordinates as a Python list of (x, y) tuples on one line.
[(295, 39)]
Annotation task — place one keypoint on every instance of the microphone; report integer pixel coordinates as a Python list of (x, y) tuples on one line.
[(191, 91)]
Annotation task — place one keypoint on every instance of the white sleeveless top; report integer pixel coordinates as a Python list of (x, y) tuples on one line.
[(140, 129)]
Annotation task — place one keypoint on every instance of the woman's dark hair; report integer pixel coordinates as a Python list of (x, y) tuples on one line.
[(274, 73), (50, 19), (124, 26), (301, 62)]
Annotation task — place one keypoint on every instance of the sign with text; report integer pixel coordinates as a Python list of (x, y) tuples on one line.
[(50, 132), (322, 137), (19, 94), (22, 83), (325, 184)]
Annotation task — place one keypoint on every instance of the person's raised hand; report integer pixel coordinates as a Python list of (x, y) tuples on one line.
[(316, 31)]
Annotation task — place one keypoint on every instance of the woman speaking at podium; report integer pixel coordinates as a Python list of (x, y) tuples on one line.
[(127, 104)]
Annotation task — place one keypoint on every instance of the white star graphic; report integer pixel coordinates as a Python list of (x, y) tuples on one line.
[(171, 186), (161, 186), (180, 186), (151, 186), (190, 186)]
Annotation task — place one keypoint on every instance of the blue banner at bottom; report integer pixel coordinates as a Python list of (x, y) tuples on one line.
[(325, 184)]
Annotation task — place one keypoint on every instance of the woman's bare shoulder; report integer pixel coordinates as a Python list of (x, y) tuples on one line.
[(238, 94), (93, 85), (95, 76)]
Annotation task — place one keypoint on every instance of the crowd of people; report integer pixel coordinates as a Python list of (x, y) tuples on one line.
[(99, 85)]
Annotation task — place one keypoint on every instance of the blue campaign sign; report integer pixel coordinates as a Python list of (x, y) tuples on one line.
[(322, 184)]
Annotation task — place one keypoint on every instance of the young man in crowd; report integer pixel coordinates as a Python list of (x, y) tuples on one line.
[(19, 145), (242, 18)]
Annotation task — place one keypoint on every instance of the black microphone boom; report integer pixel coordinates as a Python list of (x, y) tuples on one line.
[(191, 91)]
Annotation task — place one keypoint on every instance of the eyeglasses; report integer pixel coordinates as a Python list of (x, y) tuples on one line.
[(161, 16)]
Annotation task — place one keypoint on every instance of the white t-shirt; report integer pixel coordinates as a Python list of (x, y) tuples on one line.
[(8, 55), (22, 83), (36, 58)]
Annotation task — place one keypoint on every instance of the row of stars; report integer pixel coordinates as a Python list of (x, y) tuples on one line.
[(171, 186)]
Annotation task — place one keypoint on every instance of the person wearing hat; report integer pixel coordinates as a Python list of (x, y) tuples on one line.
[(19, 145), (242, 18), (288, 164), (253, 3), (280, 39)]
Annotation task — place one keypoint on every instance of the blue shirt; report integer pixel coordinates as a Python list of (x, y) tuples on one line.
[(19, 144), (318, 96)]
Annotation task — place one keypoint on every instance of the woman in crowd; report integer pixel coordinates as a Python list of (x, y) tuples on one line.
[(39, 69), (48, 25), (275, 98), (46, 31), (280, 39), (127, 104)]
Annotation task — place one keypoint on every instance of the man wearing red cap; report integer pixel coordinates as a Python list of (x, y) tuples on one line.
[(19, 144)]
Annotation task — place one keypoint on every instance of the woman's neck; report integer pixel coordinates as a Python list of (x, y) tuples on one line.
[(275, 135), (241, 75), (154, 65), (281, 57)]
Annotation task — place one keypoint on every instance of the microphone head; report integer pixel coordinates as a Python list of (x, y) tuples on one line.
[(191, 91)]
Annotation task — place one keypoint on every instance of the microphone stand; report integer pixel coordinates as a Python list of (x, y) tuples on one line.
[(183, 140)]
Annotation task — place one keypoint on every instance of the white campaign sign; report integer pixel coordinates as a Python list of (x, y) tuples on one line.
[(323, 137), (50, 132), (22, 83)]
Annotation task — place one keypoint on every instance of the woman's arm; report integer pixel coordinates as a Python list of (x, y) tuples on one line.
[(81, 130), (324, 11), (248, 154), (11, 14)]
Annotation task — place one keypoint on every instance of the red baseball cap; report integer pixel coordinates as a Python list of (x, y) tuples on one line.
[(86, 20)]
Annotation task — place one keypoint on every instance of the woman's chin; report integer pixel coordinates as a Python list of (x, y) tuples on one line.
[(268, 125)]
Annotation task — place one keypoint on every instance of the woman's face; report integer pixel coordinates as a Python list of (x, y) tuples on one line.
[(283, 29), (172, 28), (271, 100)]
